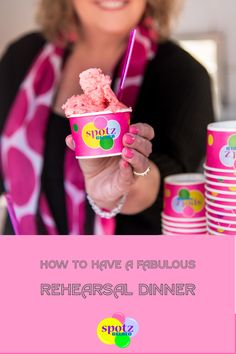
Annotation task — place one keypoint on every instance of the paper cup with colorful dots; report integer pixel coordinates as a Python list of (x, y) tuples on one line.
[(222, 187), (220, 173), (219, 225), (231, 202), (221, 219), (210, 202), (99, 134), (213, 232), (171, 233), (220, 192), (221, 214), (217, 231), (182, 220), (221, 145), (210, 177), (196, 225), (189, 225), (184, 196), (193, 231), (168, 233)]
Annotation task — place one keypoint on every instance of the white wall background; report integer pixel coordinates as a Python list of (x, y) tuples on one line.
[(199, 16), (16, 18)]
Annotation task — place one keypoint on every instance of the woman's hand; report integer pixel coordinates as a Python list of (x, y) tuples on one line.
[(108, 179)]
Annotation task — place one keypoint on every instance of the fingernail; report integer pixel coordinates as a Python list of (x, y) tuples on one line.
[(68, 140), (129, 139), (133, 130), (125, 164), (128, 153)]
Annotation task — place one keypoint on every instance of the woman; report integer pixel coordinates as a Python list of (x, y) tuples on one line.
[(168, 90)]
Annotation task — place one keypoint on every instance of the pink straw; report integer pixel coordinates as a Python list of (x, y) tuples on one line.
[(12, 213), (126, 63)]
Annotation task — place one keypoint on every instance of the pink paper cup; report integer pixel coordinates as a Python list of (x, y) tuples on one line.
[(224, 219), (220, 171), (219, 232), (169, 233), (185, 231), (221, 213), (221, 187), (231, 202), (184, 196), (166, 232), (180, 220), (220, 207), (223, 178), (221, 226), (227, 193), (99, 134), (184, 225), (221, 219), (214, 233), (221, 145)]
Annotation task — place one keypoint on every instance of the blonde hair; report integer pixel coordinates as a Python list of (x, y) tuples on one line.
[(57, 17)]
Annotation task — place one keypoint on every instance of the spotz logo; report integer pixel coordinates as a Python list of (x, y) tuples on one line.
[(117, 330)]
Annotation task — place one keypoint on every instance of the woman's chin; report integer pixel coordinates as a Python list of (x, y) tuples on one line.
[(116, 30)]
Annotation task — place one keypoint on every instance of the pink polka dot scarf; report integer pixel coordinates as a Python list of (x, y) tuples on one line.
[(23, 142)]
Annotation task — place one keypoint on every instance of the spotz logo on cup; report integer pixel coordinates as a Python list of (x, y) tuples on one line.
[(101, 133), (228, 152), (117, 330), (188, 202)]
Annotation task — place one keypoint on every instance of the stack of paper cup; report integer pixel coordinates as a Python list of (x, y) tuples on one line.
[(220, 174), (184, 205)]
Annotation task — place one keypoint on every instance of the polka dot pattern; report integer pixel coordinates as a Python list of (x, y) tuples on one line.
[(22, 142), (46, 72), (27, 225), (19, 193), (210, 140), (18, 113), (36, 128)]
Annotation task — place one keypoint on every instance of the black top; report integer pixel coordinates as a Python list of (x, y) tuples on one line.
[(175, 98)]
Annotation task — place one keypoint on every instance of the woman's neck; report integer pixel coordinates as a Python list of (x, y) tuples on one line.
[(100, 44)]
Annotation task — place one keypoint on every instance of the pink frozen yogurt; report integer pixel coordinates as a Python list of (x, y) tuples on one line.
[(98, 95)]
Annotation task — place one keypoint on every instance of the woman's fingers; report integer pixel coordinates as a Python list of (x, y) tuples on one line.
[(126, 175), (138, 143), (137, 148), (138, 138), (138, 161), (70, 142), (142, 129)]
